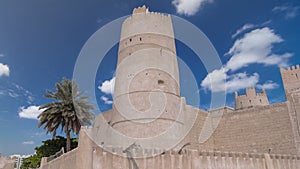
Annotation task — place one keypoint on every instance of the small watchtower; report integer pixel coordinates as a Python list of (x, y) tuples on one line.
[(251, 99), (290, 78)]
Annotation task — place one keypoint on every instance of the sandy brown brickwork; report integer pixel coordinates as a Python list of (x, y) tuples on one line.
[(262, 129), (97, 157), (294, 109)]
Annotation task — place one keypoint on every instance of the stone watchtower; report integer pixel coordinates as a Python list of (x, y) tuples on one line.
[(290, 78), (147, 95), (251, 99)]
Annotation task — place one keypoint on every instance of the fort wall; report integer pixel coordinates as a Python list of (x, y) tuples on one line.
[(186, 159), (291, 83), (66, 161), (293, 100), (266, 129)]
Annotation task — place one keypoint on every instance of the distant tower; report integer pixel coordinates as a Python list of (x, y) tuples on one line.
[(251, 99), (147, 94), (290, 78)]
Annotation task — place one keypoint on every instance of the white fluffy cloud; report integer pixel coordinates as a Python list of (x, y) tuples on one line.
[(256, 47), (4, 70), (239, 81), (106, 100), (249, 26), (215, 81), (242, 29), (30, 112), (189, 7), (289, 11), (28, 142), (268, 85), (108, 86)]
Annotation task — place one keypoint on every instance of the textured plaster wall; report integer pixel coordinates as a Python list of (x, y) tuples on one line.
[(261, 129)]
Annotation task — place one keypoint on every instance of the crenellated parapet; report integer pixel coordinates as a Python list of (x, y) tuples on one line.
[(144, 9), (141, 9), (144, 21), (290, 78), (175, 160), (251, 99)]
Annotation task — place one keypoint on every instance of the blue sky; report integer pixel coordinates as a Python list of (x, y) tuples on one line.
[(40, 42)]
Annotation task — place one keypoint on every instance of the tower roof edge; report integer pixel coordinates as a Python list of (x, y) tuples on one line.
[(141, 9)]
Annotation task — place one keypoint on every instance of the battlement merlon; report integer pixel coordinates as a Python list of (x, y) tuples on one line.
[(250, 99), (250, 91), (142, 9), (290, 68)]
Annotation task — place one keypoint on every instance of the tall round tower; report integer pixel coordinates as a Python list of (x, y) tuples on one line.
[(147, 94)]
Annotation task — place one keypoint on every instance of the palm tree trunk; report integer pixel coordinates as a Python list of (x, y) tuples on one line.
[(68, 141)]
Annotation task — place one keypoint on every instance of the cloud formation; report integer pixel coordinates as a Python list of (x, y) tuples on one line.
[(106, 100), (249, 26), (4, 70), (28, 142), (268, 85), (215, 81), (30, 112), (242, 29), (254, 47), (288, 11), (17, 92), (189, 7), (108, 86)]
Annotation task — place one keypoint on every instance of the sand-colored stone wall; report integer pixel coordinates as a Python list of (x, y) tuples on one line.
[(261, 129), (187, 159), (6, 163), (294, 109), (66, 161)]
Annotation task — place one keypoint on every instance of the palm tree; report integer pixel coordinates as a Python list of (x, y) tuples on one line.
[(70, 110)]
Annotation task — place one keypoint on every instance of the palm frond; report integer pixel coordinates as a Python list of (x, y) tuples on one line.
[(70, 110)]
